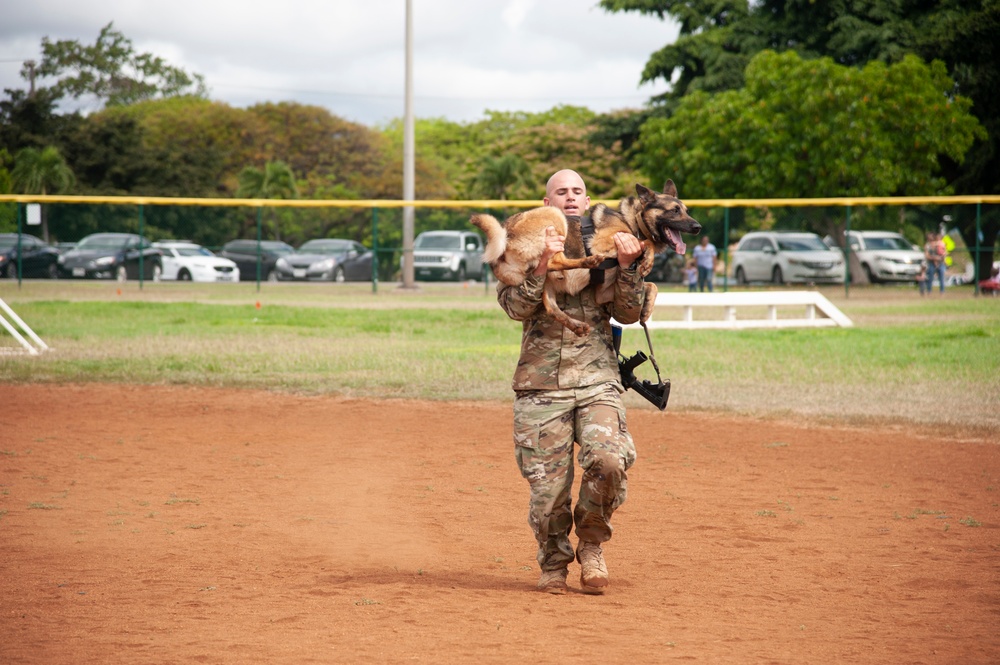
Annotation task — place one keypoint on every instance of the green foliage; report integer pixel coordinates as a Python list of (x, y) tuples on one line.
[(718, 38), (323, 149), (30, 121), (111, 71), (276, 181), (41, 172), (547, 141), (808, 128), (498, 175)]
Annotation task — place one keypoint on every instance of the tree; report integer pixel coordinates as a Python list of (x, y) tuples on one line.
[(276, 181), (805, 128), (41, 172), (498, 175), (556, 139), (110, 71), (192, 146), (30, 121), (312, 141), (108, 156), (8, 211), (718, 37)]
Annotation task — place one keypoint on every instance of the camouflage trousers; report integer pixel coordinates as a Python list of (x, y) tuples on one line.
[(546, 425)]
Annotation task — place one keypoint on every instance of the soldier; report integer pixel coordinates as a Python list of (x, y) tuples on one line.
[(568, 389)]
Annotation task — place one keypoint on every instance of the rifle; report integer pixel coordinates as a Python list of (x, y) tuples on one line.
[(655, 393)]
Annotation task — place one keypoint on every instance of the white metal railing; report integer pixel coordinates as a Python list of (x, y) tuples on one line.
[(36, 345), (816, 310)]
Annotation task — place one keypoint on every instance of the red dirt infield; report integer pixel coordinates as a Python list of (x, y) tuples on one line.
[(161, 524)]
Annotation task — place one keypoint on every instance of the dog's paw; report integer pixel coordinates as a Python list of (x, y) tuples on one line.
[(645, 312), (580, 329), (593, 261)]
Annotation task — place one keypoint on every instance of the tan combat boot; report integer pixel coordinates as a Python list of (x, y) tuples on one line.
[(594, 576), (553, 581)]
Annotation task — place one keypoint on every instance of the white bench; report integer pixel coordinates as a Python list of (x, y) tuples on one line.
[(817, 311)]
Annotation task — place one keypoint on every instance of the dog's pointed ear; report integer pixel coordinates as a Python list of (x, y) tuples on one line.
[(646, 195), (669, 188)]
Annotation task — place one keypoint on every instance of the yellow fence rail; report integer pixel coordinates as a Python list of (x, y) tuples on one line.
[(374, 204), (846, 201)]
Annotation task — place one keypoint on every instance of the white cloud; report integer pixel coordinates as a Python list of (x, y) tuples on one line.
[(349, 55)]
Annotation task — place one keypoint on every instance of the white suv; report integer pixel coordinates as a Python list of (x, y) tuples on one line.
[(455, 255), (785, 256), (886, 256)]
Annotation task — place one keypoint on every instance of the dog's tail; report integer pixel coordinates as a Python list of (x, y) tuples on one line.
[(496, 236)]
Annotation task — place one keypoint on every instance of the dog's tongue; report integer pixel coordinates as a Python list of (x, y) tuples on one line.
[(679, 245)]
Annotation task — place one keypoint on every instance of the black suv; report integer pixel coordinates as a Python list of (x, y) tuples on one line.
[(244, 254)]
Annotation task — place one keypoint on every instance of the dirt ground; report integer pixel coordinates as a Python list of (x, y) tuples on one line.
[(183, 525)]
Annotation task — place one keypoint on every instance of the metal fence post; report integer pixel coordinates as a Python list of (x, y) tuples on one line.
[(141, 249), (725, 252), (19, 229), (260, 212), (975, 262), (374, 250), (847, 256)]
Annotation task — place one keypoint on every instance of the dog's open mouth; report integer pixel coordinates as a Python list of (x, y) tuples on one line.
[(674, 240)]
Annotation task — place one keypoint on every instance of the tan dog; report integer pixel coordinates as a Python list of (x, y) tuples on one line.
[(514, 248)]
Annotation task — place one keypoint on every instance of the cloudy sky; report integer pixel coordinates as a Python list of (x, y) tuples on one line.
[(349, 55)]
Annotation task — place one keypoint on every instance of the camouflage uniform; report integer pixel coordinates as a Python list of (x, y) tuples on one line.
[(567, 389)]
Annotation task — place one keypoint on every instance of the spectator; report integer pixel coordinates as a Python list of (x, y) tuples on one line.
[(706, 258), (935, 254), (691, 275)]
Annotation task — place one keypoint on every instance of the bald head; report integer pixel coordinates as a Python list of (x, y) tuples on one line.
[(566, 190)]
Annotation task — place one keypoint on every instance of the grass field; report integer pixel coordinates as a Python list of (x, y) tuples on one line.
[(927, 361)]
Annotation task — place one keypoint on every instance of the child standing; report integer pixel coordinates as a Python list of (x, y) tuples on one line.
[(691, 275)]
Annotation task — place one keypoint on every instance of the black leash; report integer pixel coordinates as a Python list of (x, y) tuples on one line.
[(657, 393)]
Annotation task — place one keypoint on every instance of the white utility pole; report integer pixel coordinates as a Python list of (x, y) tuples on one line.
[(408, 155)]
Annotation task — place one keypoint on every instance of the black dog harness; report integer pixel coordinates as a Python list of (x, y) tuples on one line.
[(587, 231)]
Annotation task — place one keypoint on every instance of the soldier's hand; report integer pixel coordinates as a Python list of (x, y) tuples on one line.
[(554, 243), (629, 248)]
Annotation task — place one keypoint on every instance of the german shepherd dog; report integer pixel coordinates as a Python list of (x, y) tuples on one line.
[(514, 248)]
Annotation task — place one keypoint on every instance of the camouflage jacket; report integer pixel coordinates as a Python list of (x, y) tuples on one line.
[(553, 357)]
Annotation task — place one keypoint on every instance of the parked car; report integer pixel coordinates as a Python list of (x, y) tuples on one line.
[(785, 256), (244, 254), (886, 256), (668, 266), (64, 247), (190, 262), (112, 256), (454, 255), (327, 259), (37, 258)]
